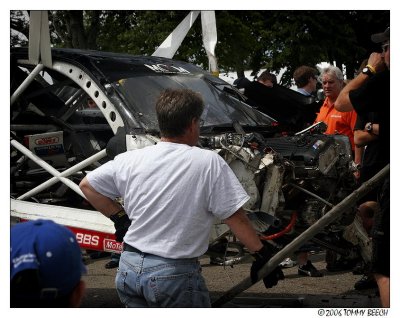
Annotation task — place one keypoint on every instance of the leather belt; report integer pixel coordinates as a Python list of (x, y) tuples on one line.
[(129, 248)]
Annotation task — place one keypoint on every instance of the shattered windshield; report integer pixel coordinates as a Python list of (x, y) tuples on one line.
[(221, 108)]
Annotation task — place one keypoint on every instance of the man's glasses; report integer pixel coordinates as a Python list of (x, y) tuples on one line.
[(385, 47)]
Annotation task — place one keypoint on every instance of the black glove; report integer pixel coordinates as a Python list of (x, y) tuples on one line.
[(121, 224), (262, 257)]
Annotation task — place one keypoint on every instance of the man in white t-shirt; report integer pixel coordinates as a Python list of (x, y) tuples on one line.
[(172, 193)]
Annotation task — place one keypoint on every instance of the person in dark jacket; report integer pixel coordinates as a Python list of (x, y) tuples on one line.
[(370, 92)]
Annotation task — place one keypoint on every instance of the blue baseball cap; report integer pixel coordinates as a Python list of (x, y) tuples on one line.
[(52, 250)]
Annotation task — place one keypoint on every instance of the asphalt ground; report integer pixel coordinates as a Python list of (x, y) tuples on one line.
[(333, 290)]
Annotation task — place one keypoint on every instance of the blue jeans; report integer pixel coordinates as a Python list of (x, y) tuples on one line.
[(146, 280)]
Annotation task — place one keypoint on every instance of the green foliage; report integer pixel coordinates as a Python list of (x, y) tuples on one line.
[(246, 39), (237, 40), (19, 26)]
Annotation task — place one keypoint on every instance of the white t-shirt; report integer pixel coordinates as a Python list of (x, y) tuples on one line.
[(172, 193)]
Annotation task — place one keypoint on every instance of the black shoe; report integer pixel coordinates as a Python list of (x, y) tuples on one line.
[(309, 269), (111, 264), (366, 282)]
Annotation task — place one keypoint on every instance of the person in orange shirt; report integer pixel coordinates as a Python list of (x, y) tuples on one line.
[(337, 122)]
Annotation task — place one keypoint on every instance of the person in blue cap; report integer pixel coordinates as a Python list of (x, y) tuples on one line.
[(46, 266)]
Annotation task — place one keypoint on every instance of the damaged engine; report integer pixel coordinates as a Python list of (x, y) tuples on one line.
[(293, 181)]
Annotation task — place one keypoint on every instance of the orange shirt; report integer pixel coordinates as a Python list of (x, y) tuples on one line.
[(338, 122)]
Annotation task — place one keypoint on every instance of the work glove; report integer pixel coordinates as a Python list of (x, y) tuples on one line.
[(121, 224), (261, 258)]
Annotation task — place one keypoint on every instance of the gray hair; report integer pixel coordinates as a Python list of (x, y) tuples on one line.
[(333, 70)]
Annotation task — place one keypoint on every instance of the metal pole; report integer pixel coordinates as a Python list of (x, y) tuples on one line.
[(72, 109), (334, 213), (26, 83), (101, 154), (47, 167)]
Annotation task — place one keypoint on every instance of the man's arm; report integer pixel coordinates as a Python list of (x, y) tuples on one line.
[(358, 154), (101, 203), (343, 102), (362, 138), (244, 231), (240, 225), (108, 208)]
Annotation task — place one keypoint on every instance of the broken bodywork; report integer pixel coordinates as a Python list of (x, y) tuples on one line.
[(58, 135)]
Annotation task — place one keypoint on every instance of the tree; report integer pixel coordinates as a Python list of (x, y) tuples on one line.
[(295, 38), (274, 40), (75, 29), (19, 26), (238, 40)]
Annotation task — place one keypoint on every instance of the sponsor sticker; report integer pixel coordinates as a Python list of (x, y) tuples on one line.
[(112, 245), (163, 68), (49, 150), (47, 140), (97, 241)]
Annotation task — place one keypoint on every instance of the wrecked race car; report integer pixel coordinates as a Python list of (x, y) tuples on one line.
[(88, 106)]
